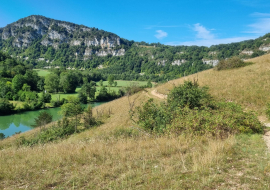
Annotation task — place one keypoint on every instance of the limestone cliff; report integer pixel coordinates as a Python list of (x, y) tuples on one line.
[(49, 32)]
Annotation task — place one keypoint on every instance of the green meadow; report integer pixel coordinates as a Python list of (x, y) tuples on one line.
[(42, 72)]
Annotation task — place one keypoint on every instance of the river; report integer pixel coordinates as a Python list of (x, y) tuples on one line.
[(21, 122)]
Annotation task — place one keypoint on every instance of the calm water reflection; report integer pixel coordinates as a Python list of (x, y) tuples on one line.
[(11, 124)]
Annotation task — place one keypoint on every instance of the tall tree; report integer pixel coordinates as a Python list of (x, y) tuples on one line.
[(17, 82), (110, 80), (43, 119), (52, 83), (72, 108), (89, 89)]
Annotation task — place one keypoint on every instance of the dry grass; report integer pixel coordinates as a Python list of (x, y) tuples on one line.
[(248, 86), (104, 162), (103, 158)]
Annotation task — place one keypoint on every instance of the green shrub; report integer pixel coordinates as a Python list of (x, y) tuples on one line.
[(63, 129), (189, 94), (227, 118), (231, 63), (191, 110), (58, 103), (6, 107), (152, 117), (268, 111), (2, 136), (43, 119), (82, 97)]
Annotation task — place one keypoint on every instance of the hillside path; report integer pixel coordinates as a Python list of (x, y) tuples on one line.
[(266, 138), (158, 95)]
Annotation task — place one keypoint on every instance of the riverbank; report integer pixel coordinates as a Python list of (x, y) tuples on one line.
[(23, 121)]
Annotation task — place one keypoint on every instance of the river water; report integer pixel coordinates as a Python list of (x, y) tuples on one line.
[(21, 122)]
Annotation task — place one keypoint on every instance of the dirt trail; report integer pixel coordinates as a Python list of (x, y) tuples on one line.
[(159, 95), (266, 138)]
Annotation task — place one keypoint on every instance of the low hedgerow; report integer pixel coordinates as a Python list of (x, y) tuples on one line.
[(63, 129), (231, 63), (195, 112)]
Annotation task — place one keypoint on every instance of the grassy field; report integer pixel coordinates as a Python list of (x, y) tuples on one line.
[(116, 155), (247, 86), (42, 72), (62, 95), (120, 84)]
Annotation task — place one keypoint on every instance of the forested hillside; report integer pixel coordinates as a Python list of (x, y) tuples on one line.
[(41, 42)]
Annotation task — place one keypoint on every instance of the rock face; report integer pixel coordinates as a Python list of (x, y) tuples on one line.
[(247, 52), (162, 62), (210, 62), (119, 52), (50, 32), (178, 62), (265, 48)]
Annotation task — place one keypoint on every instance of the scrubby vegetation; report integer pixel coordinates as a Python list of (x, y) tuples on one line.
[(231, 63), (191, 110), (73, 113)]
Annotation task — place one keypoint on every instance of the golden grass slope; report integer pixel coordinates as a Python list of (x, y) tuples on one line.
[(103, 158), (248, 86)]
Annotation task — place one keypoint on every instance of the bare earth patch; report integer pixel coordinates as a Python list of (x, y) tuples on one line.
[(159, 95), (266, 138)]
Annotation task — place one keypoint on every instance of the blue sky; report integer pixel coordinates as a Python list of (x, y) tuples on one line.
[(172, 22)]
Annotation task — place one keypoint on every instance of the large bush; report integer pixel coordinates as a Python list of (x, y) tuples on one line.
[(191, 110), (231, 63), (189, 94)]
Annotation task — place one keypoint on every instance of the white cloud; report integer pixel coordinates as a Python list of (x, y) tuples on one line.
[(204, 37), (257, 14), (161, 34), (202, 32), (262, 24)]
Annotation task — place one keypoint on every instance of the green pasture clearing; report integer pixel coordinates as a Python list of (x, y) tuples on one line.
[(120, 84), (124, 83), (62, 95), (42, 72)]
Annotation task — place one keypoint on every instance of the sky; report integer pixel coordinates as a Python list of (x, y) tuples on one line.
[(170, 22)]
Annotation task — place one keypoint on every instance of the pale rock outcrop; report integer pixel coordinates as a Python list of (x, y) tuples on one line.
[(55, 35), (247, 52), (55, 45), (88, 52), (210, 62), (46, 42), (162, 62), (265, 48), (75, 43), (40, 59), (119, 52), (69, 28), (212, 53), (178, 62), (5, 35), (102, 53)]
